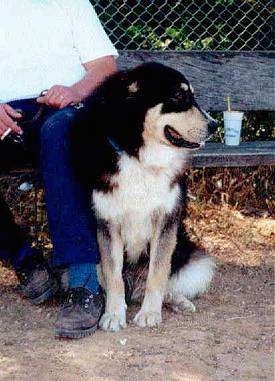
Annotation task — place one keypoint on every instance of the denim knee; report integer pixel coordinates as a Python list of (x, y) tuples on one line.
[(56, 129)]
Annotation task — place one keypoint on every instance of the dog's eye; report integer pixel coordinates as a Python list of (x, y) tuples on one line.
[(178, 95)]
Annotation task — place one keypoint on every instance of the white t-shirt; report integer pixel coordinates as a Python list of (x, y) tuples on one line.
[(45, 42)]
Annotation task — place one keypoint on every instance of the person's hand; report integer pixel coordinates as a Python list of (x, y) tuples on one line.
[(8, 117), (60, 96)]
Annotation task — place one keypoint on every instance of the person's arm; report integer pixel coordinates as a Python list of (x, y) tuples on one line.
[(96, 71)]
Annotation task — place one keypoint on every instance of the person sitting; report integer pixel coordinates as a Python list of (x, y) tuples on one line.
[(59, 46)]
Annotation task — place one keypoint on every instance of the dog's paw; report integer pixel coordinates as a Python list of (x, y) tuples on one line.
[(147, 318), (183, 305), (112, 322)]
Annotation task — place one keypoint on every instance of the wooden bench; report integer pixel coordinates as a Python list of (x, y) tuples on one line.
[(247, 77), (246, 154)]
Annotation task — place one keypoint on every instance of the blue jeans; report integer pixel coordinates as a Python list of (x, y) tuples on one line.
[(72, 225)]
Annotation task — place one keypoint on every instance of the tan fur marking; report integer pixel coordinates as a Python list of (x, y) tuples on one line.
[(133, 88), (190, 124), (184, 86)]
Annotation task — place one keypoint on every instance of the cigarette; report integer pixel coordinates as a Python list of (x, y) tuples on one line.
[(5, 134)]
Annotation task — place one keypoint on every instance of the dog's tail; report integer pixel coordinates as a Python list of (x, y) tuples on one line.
[(188, 281), (193, 278)]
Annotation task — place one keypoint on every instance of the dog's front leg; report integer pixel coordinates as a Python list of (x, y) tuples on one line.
[(111, 251), (161, 250)]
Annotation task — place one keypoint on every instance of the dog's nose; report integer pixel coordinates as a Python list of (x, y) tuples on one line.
[(212, 126)]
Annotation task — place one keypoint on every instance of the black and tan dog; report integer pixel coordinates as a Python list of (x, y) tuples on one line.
[(132, 149)]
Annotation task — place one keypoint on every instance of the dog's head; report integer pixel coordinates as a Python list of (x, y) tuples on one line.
[(173, 116), (154, 102), (134, 109)]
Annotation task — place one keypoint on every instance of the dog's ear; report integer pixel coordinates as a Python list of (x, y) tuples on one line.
[(133, 87)]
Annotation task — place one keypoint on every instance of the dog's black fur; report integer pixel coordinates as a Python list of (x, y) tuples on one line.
[(114, 113)]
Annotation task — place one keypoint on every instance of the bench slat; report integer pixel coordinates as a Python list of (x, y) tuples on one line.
[(216, 155), (247, 77), (246, 154)]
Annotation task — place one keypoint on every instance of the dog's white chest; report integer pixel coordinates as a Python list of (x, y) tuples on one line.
[(140, 192)]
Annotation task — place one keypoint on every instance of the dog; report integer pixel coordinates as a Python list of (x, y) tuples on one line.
[(131, 149)]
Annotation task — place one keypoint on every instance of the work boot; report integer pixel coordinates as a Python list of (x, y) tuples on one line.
[(37, 282), (80, 314)]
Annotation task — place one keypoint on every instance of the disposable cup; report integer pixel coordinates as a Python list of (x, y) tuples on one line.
[(232, 127)]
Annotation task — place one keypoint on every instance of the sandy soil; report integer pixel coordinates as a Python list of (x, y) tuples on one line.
[(228, 338)]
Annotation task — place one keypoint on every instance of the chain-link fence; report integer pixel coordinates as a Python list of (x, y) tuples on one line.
[(188, 25)]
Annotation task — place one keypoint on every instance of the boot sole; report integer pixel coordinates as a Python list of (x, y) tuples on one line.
[(75, 334)]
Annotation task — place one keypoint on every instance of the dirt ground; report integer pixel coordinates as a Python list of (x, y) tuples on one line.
[(228, 338)]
